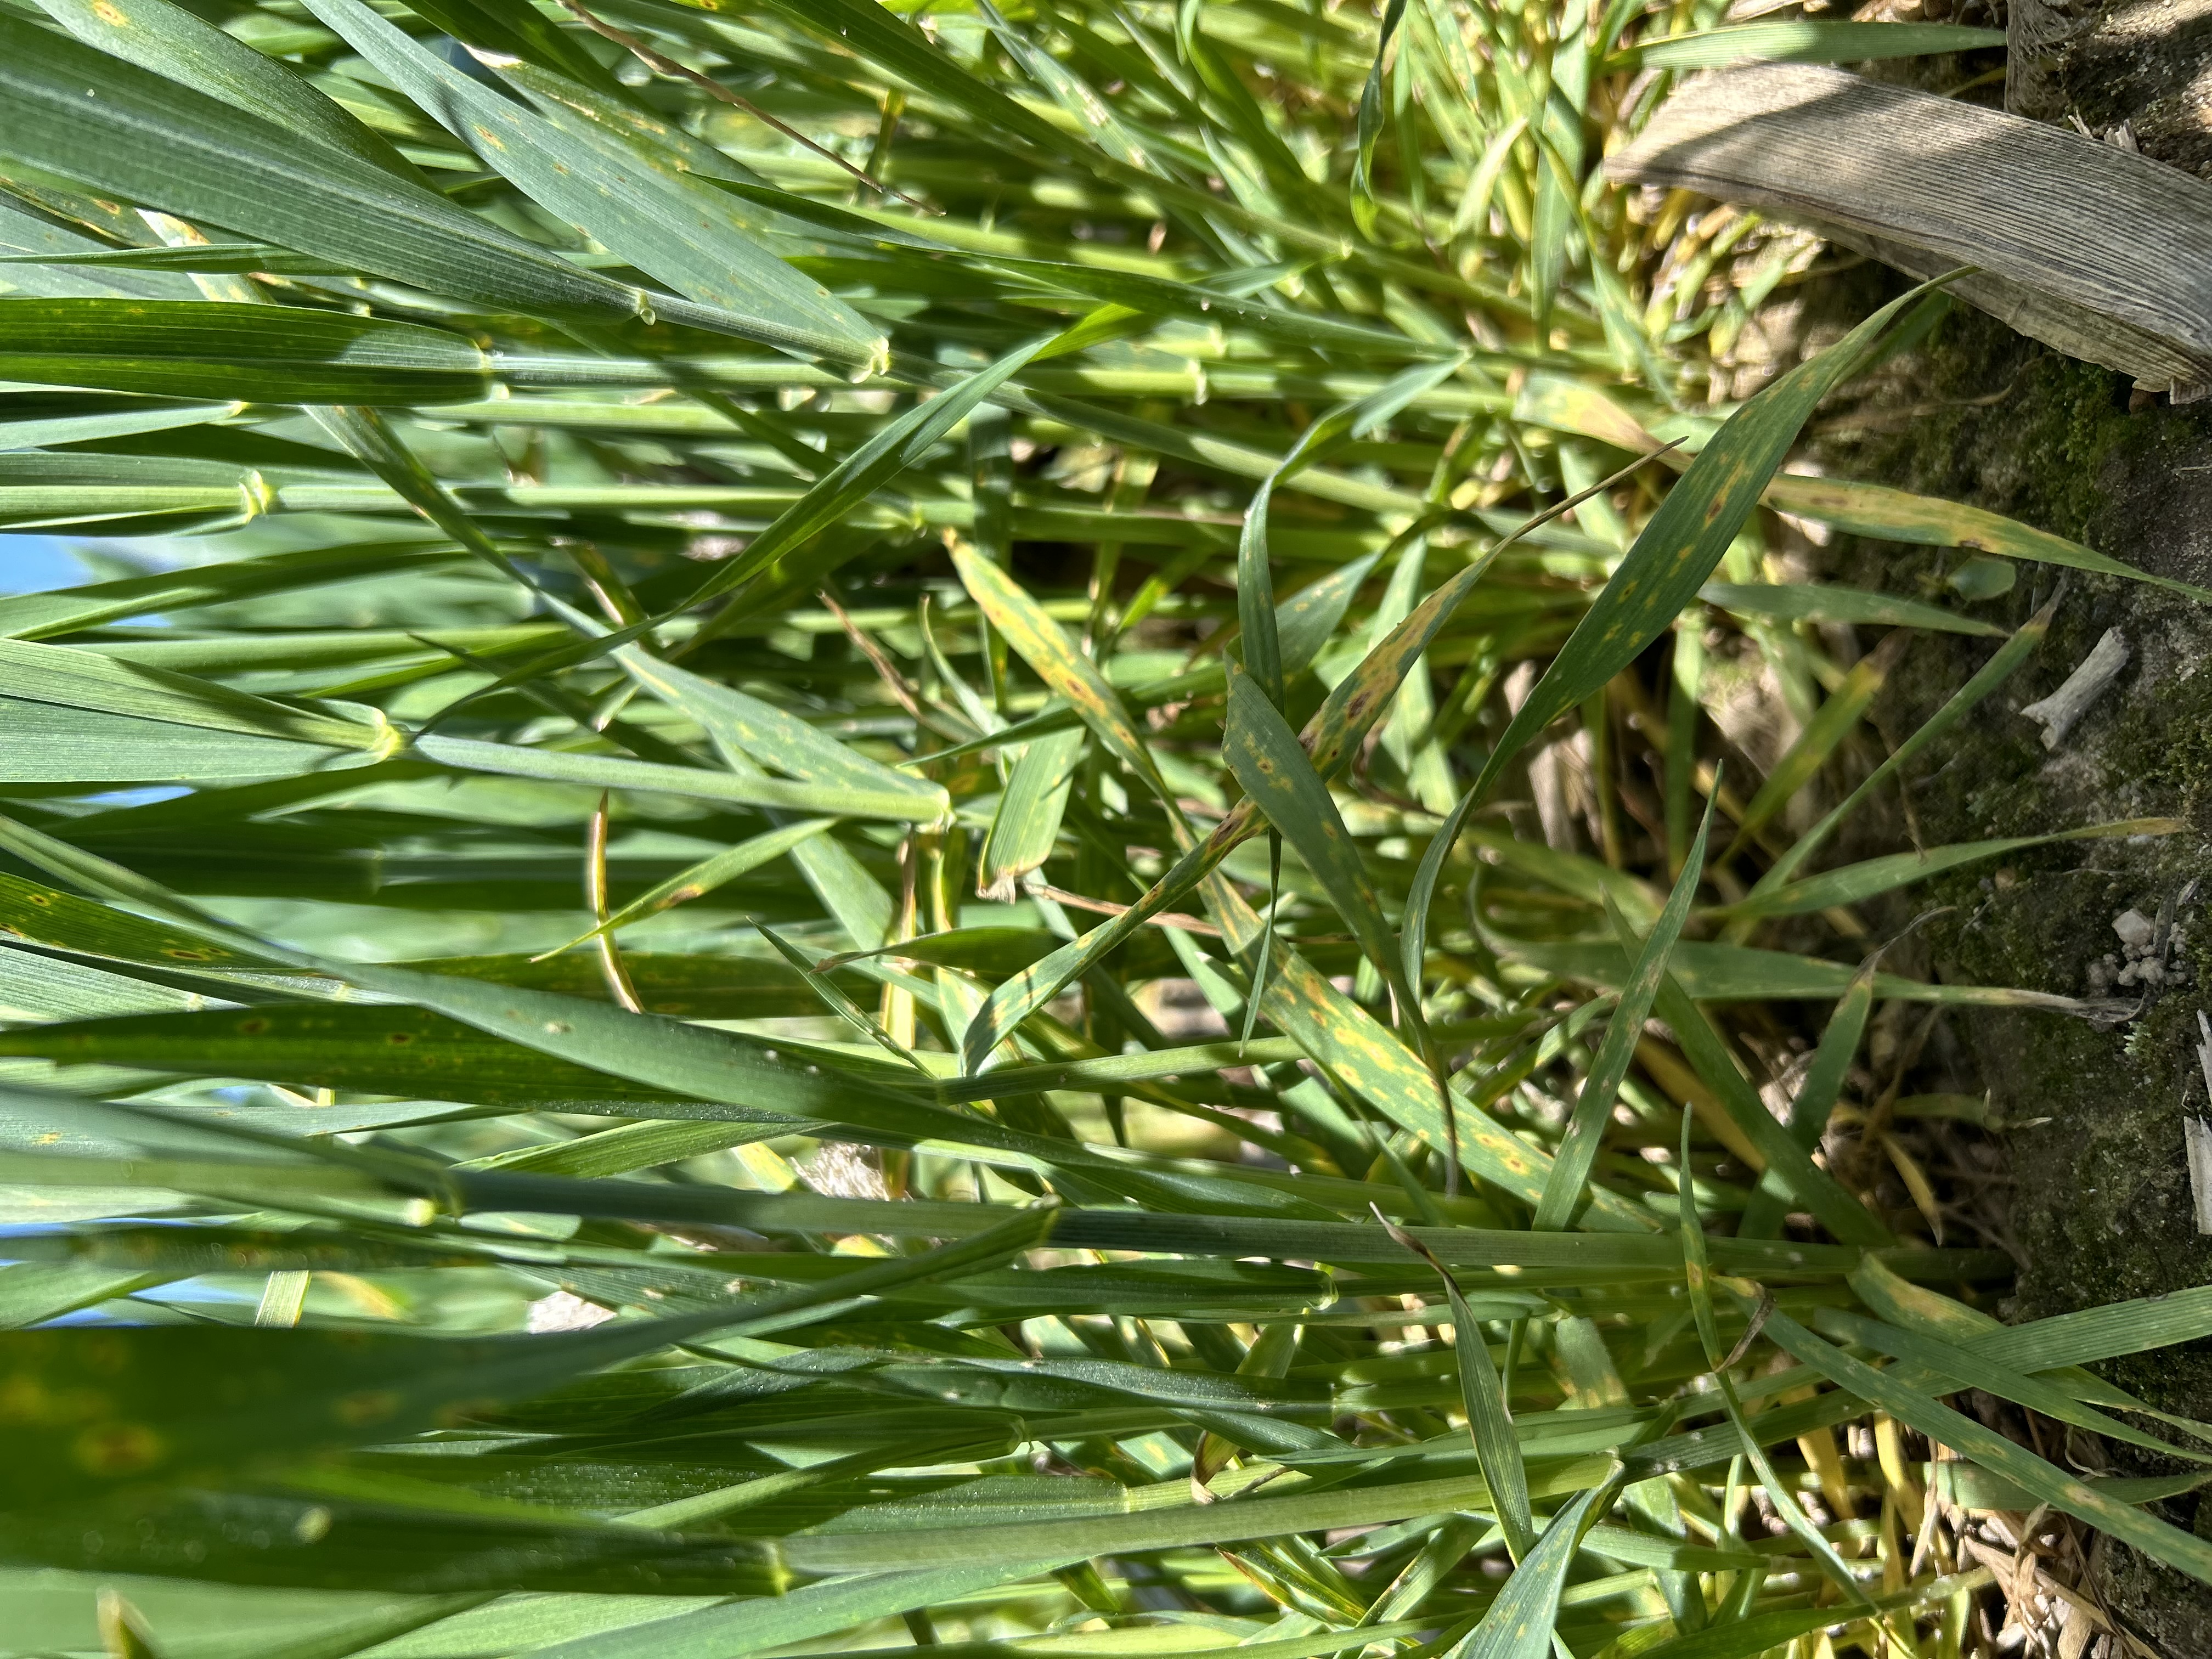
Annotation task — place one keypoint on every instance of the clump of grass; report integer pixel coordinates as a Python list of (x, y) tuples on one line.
[(888, 830)]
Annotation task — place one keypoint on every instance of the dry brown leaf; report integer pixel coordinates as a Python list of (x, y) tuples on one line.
[(2104, 254)]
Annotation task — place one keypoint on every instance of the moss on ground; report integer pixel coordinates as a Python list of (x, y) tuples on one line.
[(2101, 1208)]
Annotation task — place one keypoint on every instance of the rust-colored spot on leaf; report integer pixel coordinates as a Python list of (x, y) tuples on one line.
[(454, 1414), (370, 1406), (113, 1449)]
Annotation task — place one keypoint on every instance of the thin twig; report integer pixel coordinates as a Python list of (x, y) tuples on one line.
[(714, 88)]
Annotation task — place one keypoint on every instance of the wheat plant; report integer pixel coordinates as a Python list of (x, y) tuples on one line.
[(881, 829)]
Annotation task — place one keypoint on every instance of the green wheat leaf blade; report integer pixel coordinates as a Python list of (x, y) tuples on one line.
[(1570, 1169)]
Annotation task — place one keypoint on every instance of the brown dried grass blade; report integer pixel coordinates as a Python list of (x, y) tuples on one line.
[(2103, 254)]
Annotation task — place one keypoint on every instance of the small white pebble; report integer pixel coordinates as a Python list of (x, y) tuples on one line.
[(2135, 928), (566, 1311)]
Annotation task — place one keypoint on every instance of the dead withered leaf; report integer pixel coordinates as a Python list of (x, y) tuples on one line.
[(2099, 251)]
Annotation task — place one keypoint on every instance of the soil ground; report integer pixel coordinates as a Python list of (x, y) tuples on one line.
[(2099, 1202)]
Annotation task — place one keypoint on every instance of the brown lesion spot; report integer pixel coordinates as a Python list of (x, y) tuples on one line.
[(114, 1449), (369, 1406)]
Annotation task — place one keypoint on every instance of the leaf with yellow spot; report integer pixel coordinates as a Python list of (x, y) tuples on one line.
[(1044, 645), (1518, 1624), (1850, 505), (1362, 695), (48, 916), (173, 43), (1351, 1045), (1684, 540), (1898, 515), (1329, 738)]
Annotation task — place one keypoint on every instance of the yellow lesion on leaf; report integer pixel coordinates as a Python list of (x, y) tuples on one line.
[(118, 1448), (26, 1400), (369, 1406)]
